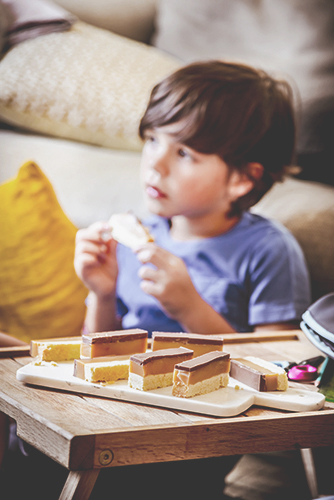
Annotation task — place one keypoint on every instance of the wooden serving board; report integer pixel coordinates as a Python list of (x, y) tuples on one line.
[(226, 402)]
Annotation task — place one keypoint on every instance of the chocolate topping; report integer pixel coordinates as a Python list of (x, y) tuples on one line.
[(116, 336), (247, 375), (146, 357), (191, 338), (203, 360)]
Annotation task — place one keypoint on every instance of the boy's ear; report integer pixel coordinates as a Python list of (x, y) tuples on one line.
[(246, 180), (254, 171)]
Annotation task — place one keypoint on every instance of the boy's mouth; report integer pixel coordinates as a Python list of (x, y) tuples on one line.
[(154, 192)]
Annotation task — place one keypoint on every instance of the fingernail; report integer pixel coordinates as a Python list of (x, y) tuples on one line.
[(144, 255), (106, 235)]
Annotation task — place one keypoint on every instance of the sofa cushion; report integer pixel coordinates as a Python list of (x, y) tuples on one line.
[(307, 210), (90, 182), (85, 84), (40, 294), (131, 18), (292, 39)]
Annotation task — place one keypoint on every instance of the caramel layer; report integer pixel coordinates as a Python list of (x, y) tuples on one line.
[(117, 343), (202, 368), (158, 362), (202, 373), (200, 344)]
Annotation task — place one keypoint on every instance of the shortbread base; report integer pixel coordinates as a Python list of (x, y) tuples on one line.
[(150, 382), (204, 387), (107, 373)]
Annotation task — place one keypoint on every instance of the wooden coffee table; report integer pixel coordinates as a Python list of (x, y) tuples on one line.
[(87, 433)]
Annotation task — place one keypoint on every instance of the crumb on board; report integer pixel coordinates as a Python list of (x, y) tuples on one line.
[(39, 362)]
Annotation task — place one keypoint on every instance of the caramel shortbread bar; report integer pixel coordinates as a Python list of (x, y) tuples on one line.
[(152, 370), (56, 349), (259, 374), (201, 375), (127, 229)]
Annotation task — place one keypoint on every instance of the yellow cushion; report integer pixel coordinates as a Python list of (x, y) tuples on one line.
[(86, 84), (40, 294)]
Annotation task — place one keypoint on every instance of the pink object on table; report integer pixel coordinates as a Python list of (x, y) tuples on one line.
[(302, 373)]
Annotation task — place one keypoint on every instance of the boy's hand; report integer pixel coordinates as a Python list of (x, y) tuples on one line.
[(168, 280), (95, 259)]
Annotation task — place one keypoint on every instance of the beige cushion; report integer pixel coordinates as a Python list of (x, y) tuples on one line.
[(307, 210), (86, 84), (131, 18), (293, 38), (90, 182)]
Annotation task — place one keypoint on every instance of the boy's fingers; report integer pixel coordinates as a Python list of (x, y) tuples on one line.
[(85, 262), (99, 231), (87, 259), (150, 288), (152, 254), (86, 246), (148, 273)]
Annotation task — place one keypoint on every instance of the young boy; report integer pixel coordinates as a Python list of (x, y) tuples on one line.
[(216, 137)]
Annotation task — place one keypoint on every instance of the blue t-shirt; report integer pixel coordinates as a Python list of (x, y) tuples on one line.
[(253, 274)]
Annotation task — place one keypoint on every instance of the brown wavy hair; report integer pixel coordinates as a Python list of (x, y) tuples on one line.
[(237, 112)]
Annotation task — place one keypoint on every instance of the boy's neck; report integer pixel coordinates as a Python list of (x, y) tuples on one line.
[(183, 228)]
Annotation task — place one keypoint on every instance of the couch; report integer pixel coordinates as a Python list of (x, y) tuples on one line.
[(70, 104)]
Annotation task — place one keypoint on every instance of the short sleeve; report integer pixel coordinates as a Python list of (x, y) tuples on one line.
[(278, 279)]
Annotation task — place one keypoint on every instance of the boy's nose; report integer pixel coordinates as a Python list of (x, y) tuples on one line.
[(159, 163)]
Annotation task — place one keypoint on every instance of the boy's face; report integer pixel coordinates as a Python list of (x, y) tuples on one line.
[(178, 180)]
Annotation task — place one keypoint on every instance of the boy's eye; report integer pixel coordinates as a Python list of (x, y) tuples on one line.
[(183, 153), (150, 138)]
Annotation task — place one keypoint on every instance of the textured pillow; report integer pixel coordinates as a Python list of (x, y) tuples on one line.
[(86, 84), (40, 294)]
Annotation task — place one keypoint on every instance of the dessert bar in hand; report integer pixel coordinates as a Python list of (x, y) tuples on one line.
[(105, 369), (259, 374), (200, 344), (56, 349), (117, 343), (152, 370), (128, 230), (201, 375)]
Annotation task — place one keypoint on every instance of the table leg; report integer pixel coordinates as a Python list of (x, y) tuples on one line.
[(3, 435), (79, 485), (310, 471)]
